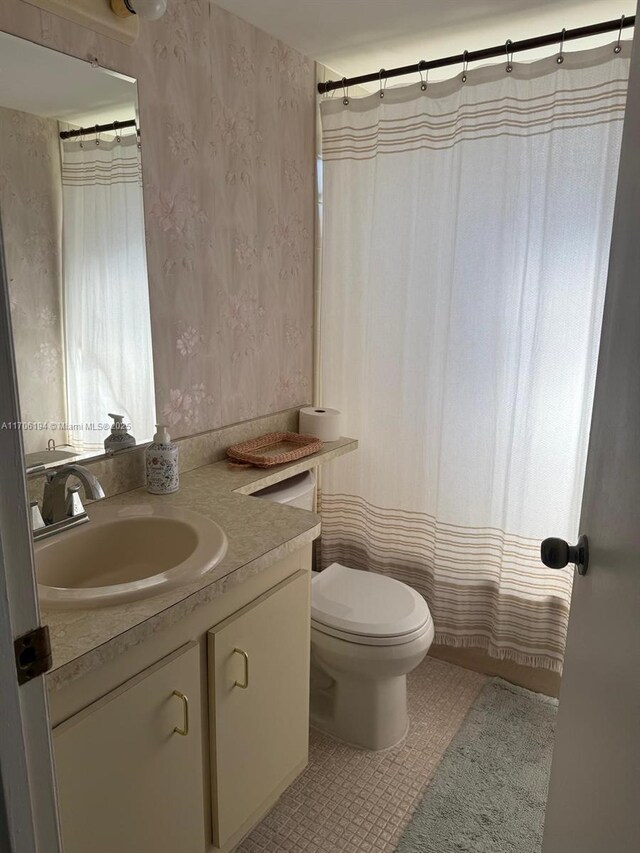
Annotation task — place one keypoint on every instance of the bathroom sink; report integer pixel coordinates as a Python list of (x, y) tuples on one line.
[(45, 457), (126, 553)]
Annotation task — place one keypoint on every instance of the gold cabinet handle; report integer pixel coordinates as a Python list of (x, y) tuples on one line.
[(184, 731), (245, 657)]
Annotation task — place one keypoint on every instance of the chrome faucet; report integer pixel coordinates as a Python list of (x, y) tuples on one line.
[(62, 509)]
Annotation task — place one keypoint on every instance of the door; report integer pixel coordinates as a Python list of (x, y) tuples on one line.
[(130, 766), (594, 795), (28, 816), (259, 688)]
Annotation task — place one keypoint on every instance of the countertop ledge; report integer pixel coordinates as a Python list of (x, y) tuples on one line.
[(259, 534)]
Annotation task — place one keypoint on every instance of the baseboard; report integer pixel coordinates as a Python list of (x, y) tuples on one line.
[(533, 678)]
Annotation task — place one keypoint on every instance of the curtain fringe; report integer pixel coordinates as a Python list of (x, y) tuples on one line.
[(484, 643)]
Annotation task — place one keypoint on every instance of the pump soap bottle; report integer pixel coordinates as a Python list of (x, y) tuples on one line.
[(162, 463), (118, 438)]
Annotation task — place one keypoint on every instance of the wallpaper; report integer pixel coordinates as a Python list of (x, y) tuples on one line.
[(31, 204), (227, 116)]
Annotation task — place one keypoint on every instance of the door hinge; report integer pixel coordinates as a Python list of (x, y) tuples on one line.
[(33, 654)]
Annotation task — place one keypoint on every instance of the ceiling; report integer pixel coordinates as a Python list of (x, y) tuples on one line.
[(354, 37), (35, 79)]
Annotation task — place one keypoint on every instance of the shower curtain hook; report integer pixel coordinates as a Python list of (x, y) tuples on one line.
[(116, 125), (560, 57), (97, 140), (382, 88), (81, 142), (509, 53), (345, 92), (618, 46), (424, 82), (465, 65)]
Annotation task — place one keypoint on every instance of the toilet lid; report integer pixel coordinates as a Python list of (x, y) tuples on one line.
[(366, 603)]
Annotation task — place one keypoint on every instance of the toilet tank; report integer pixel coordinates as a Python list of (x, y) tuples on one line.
[(295, 491)]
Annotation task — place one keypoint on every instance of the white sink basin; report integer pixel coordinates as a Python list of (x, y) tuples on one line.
[(126, 553), (44, 457)]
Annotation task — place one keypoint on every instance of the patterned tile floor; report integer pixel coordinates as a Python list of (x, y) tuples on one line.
[(351, 801)]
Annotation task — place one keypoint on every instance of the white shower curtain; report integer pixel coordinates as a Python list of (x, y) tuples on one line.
[(465, 246), (106, 296)]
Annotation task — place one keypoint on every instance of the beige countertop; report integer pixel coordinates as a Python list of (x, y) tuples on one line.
[(259, 534)]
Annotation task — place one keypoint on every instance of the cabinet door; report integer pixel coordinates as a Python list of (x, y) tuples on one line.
[(127, 780), (259, 704)]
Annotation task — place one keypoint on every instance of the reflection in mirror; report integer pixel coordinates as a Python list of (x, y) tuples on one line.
[(73, 224)]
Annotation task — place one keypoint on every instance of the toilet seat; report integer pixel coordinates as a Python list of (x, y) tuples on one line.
[(367, 608), (367, 640)]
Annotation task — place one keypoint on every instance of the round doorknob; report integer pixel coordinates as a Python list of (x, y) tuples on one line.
[(556, 554)]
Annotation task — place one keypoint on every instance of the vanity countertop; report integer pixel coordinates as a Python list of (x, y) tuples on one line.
[(259, 534)]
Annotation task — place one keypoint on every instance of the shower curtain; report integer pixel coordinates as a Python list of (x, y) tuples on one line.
[(465, 245), (107, 324)]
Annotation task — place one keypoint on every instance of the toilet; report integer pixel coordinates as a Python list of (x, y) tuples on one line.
[(368, 631)]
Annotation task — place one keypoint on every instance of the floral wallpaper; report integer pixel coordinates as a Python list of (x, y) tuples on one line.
[(31, 204), (227, 116)]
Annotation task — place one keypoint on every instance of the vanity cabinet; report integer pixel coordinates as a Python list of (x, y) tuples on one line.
[(128, 780), (258, 705)]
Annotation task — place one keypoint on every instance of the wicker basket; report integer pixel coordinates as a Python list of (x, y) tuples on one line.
[(276, 448)]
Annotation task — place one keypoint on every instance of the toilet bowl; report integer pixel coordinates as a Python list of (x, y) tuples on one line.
[(368, 631)]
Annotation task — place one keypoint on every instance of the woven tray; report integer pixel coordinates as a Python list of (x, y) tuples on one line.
[(274, 449)]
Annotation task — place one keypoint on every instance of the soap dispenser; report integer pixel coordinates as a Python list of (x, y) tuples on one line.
[(162, 463), (119, 438)]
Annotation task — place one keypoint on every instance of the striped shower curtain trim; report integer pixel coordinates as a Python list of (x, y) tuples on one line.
[(490, 591)]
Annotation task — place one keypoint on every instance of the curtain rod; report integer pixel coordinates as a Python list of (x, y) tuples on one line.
[(504, 50), (97, 128)]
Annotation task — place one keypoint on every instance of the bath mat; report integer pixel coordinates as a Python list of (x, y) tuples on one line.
[(490, 790)]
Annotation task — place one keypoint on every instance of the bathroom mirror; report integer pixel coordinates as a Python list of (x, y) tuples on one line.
[(74, 237)]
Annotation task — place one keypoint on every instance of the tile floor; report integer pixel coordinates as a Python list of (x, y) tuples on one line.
[(351, 801)]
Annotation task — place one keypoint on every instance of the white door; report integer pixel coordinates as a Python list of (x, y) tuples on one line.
[(28, 816), (594, 796)]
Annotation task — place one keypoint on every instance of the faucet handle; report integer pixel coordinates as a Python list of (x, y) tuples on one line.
[(73, 505)]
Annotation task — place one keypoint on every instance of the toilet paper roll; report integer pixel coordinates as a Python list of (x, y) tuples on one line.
[(324, 423)]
